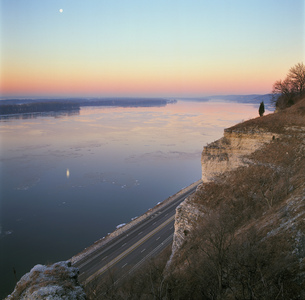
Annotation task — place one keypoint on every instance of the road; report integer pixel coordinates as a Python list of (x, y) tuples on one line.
[(128, 251)]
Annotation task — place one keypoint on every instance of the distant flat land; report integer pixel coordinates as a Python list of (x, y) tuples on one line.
[(19, 106)]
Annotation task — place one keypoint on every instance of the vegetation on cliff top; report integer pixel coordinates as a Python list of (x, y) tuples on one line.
[(279, 123)]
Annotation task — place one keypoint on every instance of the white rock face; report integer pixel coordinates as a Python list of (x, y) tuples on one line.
[(186, 215), (228, 152), (225, 154), (55, 282)]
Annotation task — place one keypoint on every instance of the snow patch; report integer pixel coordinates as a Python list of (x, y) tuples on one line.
[(120, 225)]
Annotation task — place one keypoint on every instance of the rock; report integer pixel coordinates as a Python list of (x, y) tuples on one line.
[(229, 152), (186, 216), (256, 173), (54, 282), (225, 154)]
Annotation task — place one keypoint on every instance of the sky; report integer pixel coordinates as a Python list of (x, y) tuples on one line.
[(160, 48)]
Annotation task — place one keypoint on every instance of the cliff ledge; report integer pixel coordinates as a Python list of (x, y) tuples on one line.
[(54, 282), (243, 231)]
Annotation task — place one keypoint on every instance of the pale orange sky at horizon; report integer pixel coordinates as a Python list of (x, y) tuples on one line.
[(85, 84), (137, 49)]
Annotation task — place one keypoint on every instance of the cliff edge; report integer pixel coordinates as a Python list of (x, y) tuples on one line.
[(242, 234), (54, 282)]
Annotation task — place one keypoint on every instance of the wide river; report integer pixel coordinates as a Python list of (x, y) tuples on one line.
[(69, 179)]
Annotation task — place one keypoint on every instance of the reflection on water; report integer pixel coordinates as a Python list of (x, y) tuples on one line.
[(68, 179), (54, 114), (27, 184)]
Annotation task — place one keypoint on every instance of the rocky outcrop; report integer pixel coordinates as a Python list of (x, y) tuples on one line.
[(187, 214), (55, 282), (252, 194), (225, 154), (229, 152)]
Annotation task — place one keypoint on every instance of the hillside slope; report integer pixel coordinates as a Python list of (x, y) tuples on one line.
[(242, 235)]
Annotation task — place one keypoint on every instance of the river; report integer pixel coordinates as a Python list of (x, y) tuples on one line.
[(68, 179)]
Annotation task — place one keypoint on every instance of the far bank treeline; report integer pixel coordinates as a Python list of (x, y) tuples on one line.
[(18, 106), (8, 109)]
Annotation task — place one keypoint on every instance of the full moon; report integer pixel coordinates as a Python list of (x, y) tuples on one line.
[(61, 10)]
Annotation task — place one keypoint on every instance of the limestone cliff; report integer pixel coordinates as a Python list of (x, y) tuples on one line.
[(255, 174), (186, 216), (55, 282), (229, 152), (223, 155)]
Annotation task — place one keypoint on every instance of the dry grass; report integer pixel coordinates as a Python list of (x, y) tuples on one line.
[(246, 241), (276, 122), (256, 198)]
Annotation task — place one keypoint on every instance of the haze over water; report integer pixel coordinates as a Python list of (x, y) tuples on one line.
[(69, 179)]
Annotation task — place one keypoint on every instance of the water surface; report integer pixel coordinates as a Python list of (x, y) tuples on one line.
[(68, 179)]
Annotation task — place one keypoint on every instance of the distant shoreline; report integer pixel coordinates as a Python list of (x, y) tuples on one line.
[(20, 106)]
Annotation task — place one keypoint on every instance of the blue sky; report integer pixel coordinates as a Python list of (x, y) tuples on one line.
[(103, 47)]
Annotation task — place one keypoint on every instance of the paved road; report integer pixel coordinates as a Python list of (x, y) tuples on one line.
[(125, 253)]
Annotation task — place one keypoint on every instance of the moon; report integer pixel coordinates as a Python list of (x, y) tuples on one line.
[(61, 10)]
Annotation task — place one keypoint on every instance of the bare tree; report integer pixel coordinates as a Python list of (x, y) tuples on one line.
[(286, 92), (297, 77), (208, 263)]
